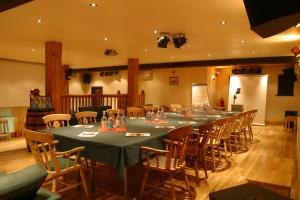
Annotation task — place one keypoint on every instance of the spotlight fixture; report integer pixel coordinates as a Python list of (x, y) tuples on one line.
[(296, 51), (163, 40), (179, 40)]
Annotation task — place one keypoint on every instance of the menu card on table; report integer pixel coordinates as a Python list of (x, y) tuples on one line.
[(164, 126), (87, 134), (137, 134), (83, 126), (187, 122)]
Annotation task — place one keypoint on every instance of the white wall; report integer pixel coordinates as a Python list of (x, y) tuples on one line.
[(253, 94), (16, 80)]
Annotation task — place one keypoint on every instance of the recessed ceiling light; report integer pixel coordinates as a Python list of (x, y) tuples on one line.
[(298, 25), (146, 50), (155, 31), (253, 52), (209, 55), (242, 41), (33, 50), (189, 46), (223, 22), (39, 20), (93, 5), (105, 39), (172, 57)]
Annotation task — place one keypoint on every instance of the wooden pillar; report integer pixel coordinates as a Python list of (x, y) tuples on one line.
[(56, 84), (133, 82)]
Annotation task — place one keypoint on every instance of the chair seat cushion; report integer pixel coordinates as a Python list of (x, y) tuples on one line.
[(44, 194), (62, 163), (22, 184)]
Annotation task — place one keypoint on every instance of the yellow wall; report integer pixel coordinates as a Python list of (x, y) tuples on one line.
[(16, 80), (276, 105), (158, 91), (110, 84)]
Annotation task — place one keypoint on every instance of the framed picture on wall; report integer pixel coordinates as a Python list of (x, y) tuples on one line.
[(173, 80)]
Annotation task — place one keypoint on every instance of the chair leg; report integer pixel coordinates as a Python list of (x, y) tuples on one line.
[(204, 166), (144, 182), (173, 188), (213, 158), (196, 171), (225, 149), (83, 184), (186, 182), (54, 182)]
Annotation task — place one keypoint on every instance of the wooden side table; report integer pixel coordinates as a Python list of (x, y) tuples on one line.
[(287, 123)]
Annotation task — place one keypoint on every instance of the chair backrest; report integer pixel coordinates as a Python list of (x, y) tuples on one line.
[(57, 120), (177, 140), (175, 107), (219, 126), (134, 112), (114, 112), (86, 117), (42, 147), (198, 142)]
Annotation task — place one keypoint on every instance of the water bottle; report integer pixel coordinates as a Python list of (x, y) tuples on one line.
[(123, 121), (157, 116), (148, 116), (152, 114), (162, 114), (104, 120), (118, 120), (110, 121)]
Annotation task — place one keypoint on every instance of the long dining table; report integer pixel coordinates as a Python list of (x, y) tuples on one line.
[(121, 151)]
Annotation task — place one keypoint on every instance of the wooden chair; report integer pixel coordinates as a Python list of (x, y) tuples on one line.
[(114, 112), (214, 140), (57, 120), (287, 123), (175, 107), (252, 114), (170, 161), (56, 163), (134, 112), (86, 117), (197, 147), (239, 132)]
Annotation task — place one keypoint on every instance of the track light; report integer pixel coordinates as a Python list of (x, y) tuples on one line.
[(179, 40), (162, 41)]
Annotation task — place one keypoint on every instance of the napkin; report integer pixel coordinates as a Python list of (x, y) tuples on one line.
[(164, 126), (87, 134), (187, 122), (137, 134)]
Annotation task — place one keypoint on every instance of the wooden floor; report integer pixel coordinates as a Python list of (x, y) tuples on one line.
[(270, 142)]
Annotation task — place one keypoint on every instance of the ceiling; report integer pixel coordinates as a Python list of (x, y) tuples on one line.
[(129, 28)]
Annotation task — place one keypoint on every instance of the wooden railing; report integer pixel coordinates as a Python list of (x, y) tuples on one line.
[(71, 103)]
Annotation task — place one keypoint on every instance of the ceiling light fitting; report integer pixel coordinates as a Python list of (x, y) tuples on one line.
[(178, 39)]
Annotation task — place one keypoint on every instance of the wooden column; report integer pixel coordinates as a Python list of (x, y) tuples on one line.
[(56, 84), (133, 82)]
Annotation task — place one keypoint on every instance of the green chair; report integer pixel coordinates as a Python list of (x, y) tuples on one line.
[(26, 184)]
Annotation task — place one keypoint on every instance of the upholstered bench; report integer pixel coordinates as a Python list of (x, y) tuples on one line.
[(25, 184)]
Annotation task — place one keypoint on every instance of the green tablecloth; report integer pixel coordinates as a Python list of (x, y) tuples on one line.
[(115, 148)]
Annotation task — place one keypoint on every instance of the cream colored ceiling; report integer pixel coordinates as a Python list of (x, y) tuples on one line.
[(129, 26)]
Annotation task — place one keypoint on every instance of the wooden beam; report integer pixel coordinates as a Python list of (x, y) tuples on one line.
[(133, 82), (54, 74), (200, 63)]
